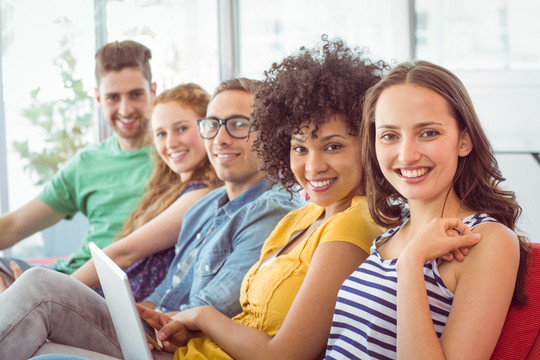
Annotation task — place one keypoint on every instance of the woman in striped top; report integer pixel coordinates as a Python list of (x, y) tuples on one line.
[(431, 177)]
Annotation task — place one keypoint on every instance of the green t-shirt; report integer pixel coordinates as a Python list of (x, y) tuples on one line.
[(105, 184)]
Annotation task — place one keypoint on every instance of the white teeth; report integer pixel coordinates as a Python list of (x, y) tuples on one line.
[(126, 121), (177, 154), (413, 173), (318, 184), (224, 156)]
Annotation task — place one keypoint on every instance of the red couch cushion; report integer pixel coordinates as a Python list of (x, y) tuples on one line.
[(520, 336), (46, 261)]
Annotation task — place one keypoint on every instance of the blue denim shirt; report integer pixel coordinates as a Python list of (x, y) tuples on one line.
[(232, 234)]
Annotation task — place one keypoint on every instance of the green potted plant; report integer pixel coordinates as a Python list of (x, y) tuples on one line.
[(65, 123)]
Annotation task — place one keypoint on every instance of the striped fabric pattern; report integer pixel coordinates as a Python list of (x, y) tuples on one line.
[(364, 323)]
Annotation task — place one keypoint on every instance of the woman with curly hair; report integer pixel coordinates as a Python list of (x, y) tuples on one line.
[(432, 176), (306, 114), (182, 175)]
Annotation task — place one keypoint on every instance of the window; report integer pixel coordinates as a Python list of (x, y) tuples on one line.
[(272, 29), (182, 35), (41, 39), (479, 35)]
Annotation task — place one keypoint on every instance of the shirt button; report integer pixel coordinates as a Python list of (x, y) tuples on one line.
[(207, 268), (198, 236)]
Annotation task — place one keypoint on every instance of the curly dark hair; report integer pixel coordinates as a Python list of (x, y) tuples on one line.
[(307, 88)]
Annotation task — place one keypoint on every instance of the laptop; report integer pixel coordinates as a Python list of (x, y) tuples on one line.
[(131, 332)]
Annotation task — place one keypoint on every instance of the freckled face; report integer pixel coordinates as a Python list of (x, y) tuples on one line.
[(418, 142), (176, 137), (328, 167)]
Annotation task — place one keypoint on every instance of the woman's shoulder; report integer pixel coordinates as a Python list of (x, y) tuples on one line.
[(358, 213), (499, 244), (476, 219), (496, 233), (497, 250), (353, 225), (488, 227)]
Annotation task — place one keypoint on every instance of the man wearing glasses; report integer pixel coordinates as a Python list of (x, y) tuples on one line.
[(221, 238), (225, 229)]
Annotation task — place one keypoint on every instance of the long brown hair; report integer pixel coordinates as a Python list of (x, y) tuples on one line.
[(164, 185), (477, 178)]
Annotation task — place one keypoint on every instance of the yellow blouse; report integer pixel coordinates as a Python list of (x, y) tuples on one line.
[(267, 292)]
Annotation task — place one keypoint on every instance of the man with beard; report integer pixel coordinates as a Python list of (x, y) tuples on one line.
[(104, 181)]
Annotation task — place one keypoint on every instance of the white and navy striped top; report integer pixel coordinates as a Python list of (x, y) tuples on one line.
[(364, 323)]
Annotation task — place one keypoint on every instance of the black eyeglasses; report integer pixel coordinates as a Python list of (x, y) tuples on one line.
[(237, 126)]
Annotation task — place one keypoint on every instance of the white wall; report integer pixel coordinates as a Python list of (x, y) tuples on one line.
[(522, 173), (508, 105)]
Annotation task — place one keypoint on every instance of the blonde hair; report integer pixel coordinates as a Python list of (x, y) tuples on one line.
[(164, 185)]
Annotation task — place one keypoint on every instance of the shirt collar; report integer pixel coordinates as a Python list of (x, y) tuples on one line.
[(246, 197)]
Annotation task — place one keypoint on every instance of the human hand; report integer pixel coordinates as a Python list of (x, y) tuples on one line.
[(14, 275), (147, 304), (183, 326), (448, 238), (175, 333), (459, 253)]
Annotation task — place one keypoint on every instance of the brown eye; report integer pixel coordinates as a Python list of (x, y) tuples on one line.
[(333, 147), (388, 137), (430, 133)]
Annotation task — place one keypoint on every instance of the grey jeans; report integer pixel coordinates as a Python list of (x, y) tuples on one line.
[(45, 305)]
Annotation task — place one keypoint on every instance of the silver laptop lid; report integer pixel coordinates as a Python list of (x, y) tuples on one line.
[(122, 308)]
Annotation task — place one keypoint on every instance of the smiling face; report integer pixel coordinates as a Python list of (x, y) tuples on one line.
[(328, 167), (233, 159), (418, 142), (176, 137), (124, 97)]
